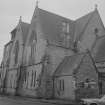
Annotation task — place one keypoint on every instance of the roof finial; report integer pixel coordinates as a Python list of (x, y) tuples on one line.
[(37, 3), (96, 6), (20, 20)]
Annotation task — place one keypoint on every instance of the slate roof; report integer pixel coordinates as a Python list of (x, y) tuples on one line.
[(8, 43), (81, 24), (69, 64), (25, 29), (52, 26)]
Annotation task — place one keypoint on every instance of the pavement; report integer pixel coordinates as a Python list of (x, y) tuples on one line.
[(34, 101)]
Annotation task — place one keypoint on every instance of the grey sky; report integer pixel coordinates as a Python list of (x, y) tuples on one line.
[(11, 10)]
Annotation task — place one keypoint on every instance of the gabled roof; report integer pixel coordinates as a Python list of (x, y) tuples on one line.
[(7, 44), (52, 26), (99, 50), (81, 24), (69, 64), (25, 29)]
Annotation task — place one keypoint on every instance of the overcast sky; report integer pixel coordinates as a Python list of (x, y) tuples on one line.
[(11, 10)]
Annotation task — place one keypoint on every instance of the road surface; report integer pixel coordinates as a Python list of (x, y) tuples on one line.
[(22, 101)]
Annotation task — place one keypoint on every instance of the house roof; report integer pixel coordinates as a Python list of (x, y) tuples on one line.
[(99, 50), (81, 24), (8, 43), (69, 64), (52, 26), (25, 29)]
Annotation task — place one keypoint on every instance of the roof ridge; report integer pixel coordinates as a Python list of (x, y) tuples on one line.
[(81, 33), (68, 57), (100, 18), (85, 15), (55, 14)]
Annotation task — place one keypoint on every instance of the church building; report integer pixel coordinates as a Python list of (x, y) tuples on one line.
[(39, 51)]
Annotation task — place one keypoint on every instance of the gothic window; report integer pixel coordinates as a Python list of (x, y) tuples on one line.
[(65, 27), (16, 51), (61, 85), (32, 52), (33, 80), (33, 46), (68, 28), (11, 81), (27, 77), (66, 33), (7, 62), (33, 37)]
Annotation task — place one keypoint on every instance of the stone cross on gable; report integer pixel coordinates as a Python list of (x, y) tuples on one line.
[(37, 3), (20, 19), (96, 6)]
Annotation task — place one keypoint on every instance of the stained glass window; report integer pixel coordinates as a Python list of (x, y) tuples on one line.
[(16, 51)]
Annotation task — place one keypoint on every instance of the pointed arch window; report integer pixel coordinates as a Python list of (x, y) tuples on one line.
[(33, 36), (66, 33), (33, 78), (33, 49), (16, 51), (32, 42), (65, 27)]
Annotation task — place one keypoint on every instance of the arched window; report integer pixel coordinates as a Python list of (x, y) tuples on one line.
[(32, 42), (33, 36), (65, 27), (16, 51), (66, 33), (33, 78), (33, 49)]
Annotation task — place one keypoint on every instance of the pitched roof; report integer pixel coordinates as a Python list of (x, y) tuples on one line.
[(52, 26), (81, 24), (25, 29), (69, 64), (8, 43), (99, 50)]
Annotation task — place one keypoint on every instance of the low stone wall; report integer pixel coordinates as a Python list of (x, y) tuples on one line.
[(86, 93)]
